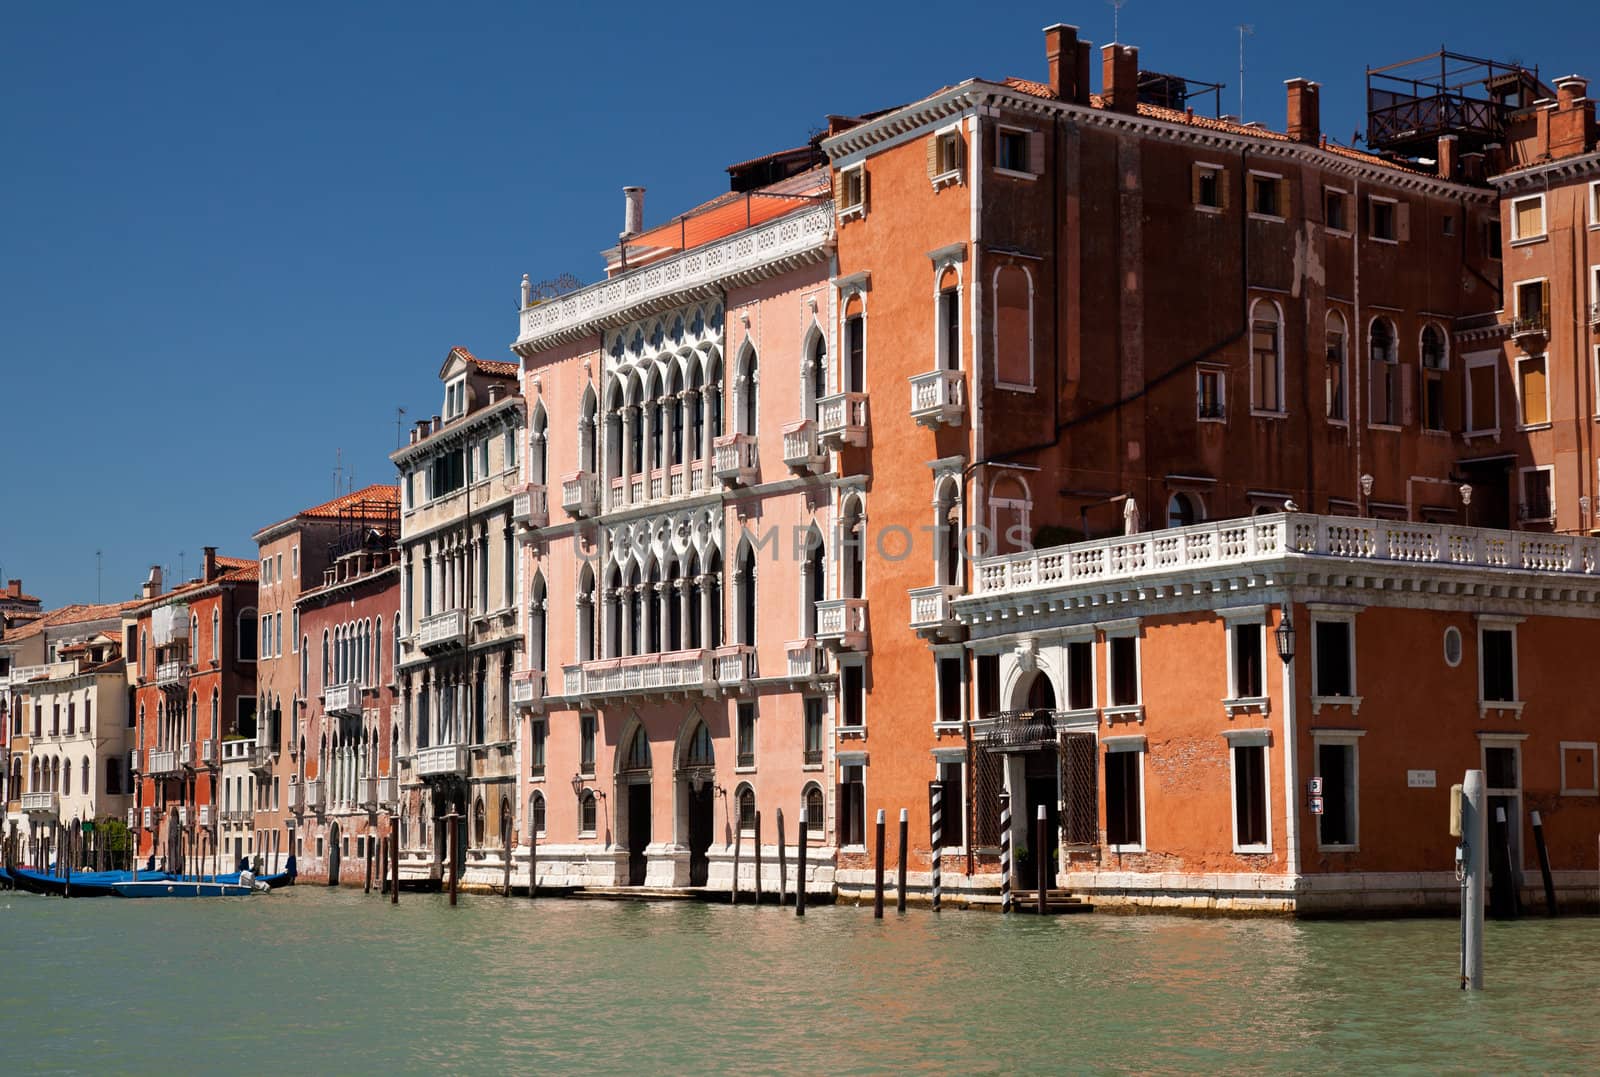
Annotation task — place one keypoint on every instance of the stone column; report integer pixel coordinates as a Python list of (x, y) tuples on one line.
[(629, 414), (663, 615)]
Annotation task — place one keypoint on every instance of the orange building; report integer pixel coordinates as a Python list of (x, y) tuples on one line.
[(194, 678)]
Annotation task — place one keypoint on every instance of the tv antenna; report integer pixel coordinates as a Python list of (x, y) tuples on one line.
[(97, 597), (1245, 30), (1116, 12), (399, 427), (338, 469)]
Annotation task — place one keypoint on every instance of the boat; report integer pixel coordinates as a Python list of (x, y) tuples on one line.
[(178, 888), (82, 884), (273, 882)]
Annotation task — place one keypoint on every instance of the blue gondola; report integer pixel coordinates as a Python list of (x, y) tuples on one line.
[(178, 888)]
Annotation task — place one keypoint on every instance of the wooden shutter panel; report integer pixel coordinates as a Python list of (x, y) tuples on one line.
[(933, 156), (1408, 394), (838, 190), (865, 195), (960, 147), (1036, 152), (1194, 185), (1225, 192), (1402, 221), (1283, 197)]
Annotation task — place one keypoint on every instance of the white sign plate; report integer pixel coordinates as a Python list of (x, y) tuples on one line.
[(1422, 779)]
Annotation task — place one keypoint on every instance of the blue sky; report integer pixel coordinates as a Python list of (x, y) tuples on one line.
[(236, 240)]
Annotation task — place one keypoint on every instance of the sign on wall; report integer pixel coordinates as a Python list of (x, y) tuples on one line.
[(1422, 779)]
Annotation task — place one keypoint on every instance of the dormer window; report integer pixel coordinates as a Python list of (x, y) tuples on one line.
[(455, 398)]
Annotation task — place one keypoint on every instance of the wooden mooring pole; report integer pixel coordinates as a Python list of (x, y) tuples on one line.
[(877, 871), (900, 870), (783, 864), (533, 860), (383, 866), (738, 846), (370, 840), (1005, 852), (1041, 860), (758, 858), (800, 864), (936, 833), (394, 863), (1544, 865)]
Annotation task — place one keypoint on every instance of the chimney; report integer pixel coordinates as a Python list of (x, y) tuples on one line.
[(152, 583), (1068, 59), (434, 428), (496, 391), (1119, 77), (1472, 167), (633, 212), (1572, 127), (208, 564), (14, 588), (1305, 111), (1449, 157), (1570, 91)]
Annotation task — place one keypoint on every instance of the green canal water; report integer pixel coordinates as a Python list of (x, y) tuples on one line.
[(330, 981)]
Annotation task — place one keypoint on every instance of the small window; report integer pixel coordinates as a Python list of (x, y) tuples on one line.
[(1533, 393), (1448, 225), (1385, 366), (1210, 387), (1536, 503), (586, 812), (1248, 641), (1490, 237), (1382, 219), (1210, 191), (1533, 305), (536, 748), (948, 147), (1011, 150), (747, 735), (1250, 797), (814, 811), (852, 806), (1268, 196), (1124, 797), (853, 693), (1123, 654), (952, 832), (812, 748), (747, 808), (1334, 659), (1483, 399), (1527, 218), (850, 190), (1266, 359), (1452, 647), (950, 695), (586, 731), (1434, 362), (1497, 657), (1336, 210), (1080, 675), (1334, 369), (1336, 766)]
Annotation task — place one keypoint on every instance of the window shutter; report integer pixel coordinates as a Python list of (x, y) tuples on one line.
[(1450, 394), (838, 190), (961, 149), (1036, 152), (1224, 191), (933, 156), (1283, 198), (865, 189), (1408, 394), (1194, 185), (1402, 221)]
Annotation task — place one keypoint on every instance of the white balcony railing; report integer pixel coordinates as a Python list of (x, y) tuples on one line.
[(208, 752), (41, 803), (208, 815), (842, 420), (735, 460), (527, 687), (185, 816), (133, 819), (530, 508), (842, 623), (344, 700), (674, 671), (801, 451), (149, 818), (806, 658), (939, 396), (297, 797), (367, 793), (580, 494), (172, 673), (736, 665), (388, 792), (442, 631), (314, 795), (163, 762), (186, 754), (932, 608), (1291, 537), (444, 761), (135, 757)]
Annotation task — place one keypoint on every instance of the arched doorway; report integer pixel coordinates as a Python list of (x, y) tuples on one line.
[(697, 788), (633, 785), (1035, 773), (333, 854)]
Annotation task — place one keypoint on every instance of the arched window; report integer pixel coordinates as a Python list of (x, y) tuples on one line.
[(853, 375), (1266, 357), (816, 364), (745, 392), (394, 659), (586, 612), (636, 427), (714, 396), (247, 635), (536, 813), (700, 752), (216, 635), (614, 431), (713, 590), (697, 414), (587, 442), (852, 541), (538, 458), (947, 314), (1383, 348), (66, 779), (505, 820), (746, 580), (1013, 326), (305, 664), (84, 775), (675, 415), (586, 812), (747, 807), (377, 651), (814, 581), (814, 809), (1010, 514), (947, 528), (194, 717), (1336, 370), (537, 657), (1041, 693), (1183, 509), (216, 707), (327, 660), (1435, 361), (479, 822), (637, 757)]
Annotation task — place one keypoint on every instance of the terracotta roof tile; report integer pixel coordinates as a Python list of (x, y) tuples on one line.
[(734, 212), (488, 366), (375, 500), (77, 613)]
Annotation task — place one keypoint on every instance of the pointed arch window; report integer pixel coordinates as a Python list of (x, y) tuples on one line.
[(1383, 348), (637, 757), (536, 625), (816, 385), (587, 455), (746, 392), (852, 538), (746, 581), (538, 449), (536, 813), (1435, 361), (1266, 358), (747, 808), (1336, 369)]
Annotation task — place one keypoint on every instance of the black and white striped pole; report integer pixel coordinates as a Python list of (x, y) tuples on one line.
[(1005, 852), (936, 826)]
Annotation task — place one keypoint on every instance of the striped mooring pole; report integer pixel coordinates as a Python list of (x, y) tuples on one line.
[(936, 825), (1005, 852)]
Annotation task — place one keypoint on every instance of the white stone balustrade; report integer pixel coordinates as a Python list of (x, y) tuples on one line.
[(938, 396)]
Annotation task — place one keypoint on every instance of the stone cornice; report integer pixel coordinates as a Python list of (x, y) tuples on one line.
[(458, 430), (755, 254), (1541, 176)]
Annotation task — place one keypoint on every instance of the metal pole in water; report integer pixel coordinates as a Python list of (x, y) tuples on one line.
[(394, 863), (1005, 852), (1474, 862), (936, 832), (800, 865), (1544, 865), (368, 888), (738, 848), (383, 866), (758, 858), (783, 864), (1041, 837), (877, 872), (900, 870), (533, 860), (1512, 889)]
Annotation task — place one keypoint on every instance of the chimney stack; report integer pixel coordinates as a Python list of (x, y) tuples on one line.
[(1305, 111), (1572, 126), (1472, 167), (1449, 157), (1119, 77), (14, 588), (633, 212), (152, 583), (1068, 59), (434, 427), (208, 564), (496, 391)]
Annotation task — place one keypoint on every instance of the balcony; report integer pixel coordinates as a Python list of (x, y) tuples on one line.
[(261, 756), (149, 818), (801, 452), (186, 754), (580, 494), (185, 815), (842, 420), (133, 818), (939, 396), (842, 623), (297, 797), (344, 700), (735, 460), (163, 762), (736, 666), (208, 815), (527, 687), (169, 674), (932, 612), (1530, 330), (443, 631), (531, 507), (41, 804), (134, 758), (367, 793), (388, 792), (807, 660), (208, 753), (314, 795), (443, 762), (645, 674)]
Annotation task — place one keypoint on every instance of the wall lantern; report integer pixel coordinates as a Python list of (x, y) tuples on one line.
[(1284, 635)]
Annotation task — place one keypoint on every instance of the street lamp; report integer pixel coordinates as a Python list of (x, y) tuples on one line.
[(1366, 493), (1466, 502), (1284, 635), (577, 784)]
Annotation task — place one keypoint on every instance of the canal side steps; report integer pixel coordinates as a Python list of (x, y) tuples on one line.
[(1056, 902)]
